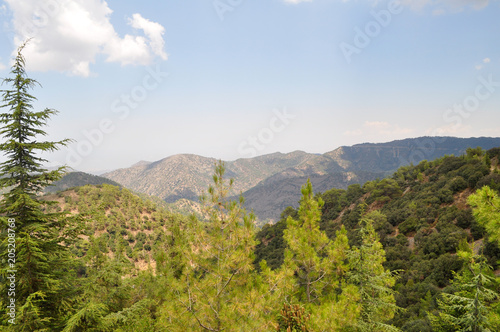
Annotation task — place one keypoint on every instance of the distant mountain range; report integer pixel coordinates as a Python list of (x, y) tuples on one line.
[(272, 182)]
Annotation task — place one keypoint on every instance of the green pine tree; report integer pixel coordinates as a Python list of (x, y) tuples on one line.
[(314, 269), (470, 307), (374, 282), (486, 209), (308, 248), (216, 290), (108, 301), (293, 318), (42, 260)]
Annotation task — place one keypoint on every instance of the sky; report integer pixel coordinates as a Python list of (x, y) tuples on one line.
[(229, 79)]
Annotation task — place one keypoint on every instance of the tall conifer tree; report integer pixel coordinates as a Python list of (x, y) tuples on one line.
[(374, 282), (314, 269), (471, 306), (41, 256), (216, 289)]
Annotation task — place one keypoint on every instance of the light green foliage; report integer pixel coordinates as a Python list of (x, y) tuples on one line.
[(308, 248), (469, 305), (314, 269), (216, 290), (374, 282), (486, 210)]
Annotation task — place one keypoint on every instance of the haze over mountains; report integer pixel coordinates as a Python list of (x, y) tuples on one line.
[(272, 182)]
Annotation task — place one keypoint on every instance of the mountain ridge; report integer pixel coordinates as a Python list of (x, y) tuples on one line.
[(277, 177)]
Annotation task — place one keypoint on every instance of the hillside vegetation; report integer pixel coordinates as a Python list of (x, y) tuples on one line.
[(401, 253), (376, 257), (421, 216), (115, 220)]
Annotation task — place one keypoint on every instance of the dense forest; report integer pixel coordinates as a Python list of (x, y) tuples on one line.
[(421, 215), (416, 251)]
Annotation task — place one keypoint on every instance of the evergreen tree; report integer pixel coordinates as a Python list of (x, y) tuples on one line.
[(293, 318), (470, 306), (486, 209), (42, 260), (374, 282), (108, 301), (314, 269), (217, 290), (309, 248)]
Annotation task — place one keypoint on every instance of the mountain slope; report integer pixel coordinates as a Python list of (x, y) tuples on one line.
[(114, 219), (271, 182), (188, 176), (352, 164)]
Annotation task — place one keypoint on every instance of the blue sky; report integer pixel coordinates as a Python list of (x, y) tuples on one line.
[(236, 78)]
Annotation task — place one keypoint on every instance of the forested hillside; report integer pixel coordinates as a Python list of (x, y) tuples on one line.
[(374, 257), (421, 215), (402, 253)]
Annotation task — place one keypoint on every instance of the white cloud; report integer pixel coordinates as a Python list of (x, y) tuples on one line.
[(70, 34), (484, 61), (2, 66)]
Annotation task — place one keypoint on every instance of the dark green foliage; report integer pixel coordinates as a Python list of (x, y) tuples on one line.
[(408, 226), (458, 184), (384, 190), (427, 207), (492, 180), (468, 304), (43, 261), (271, 246), (418, 325), (450, 164), (78, 179), (494, 152)]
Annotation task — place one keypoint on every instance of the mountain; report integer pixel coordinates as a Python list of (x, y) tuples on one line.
[(352, 164), (188, 176), (78, 179), (272, 182)]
